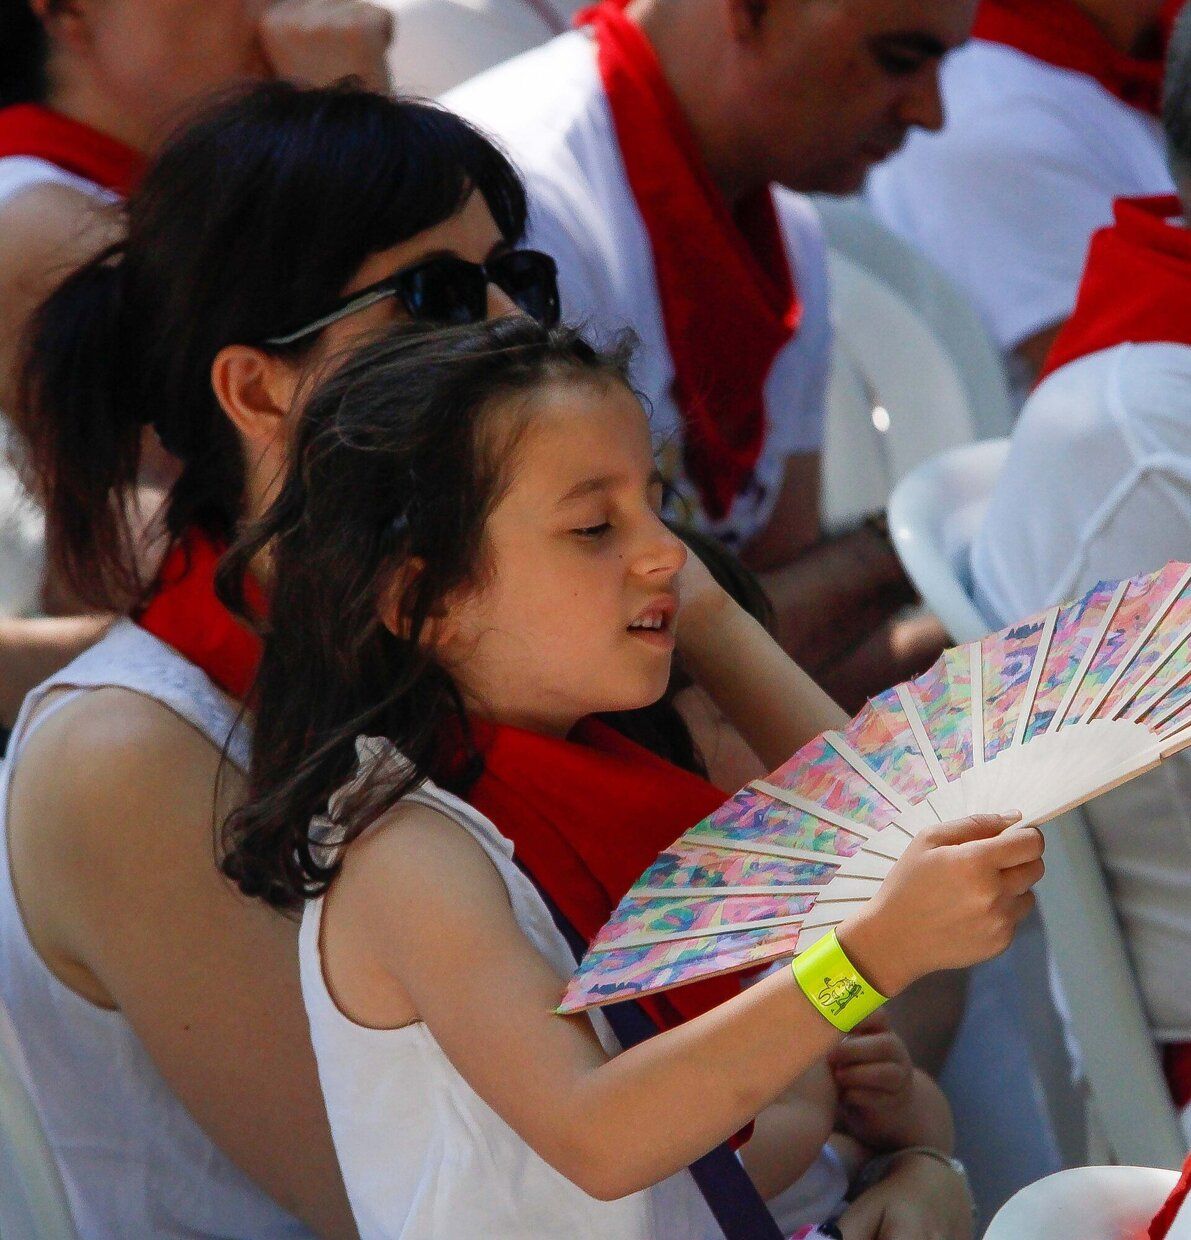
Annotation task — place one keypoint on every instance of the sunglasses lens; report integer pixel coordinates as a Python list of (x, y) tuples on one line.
[(445, 290), (531, 281)]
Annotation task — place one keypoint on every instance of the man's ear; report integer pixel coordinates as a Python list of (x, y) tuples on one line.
[(256, 391), (746, 17), (64, 20)]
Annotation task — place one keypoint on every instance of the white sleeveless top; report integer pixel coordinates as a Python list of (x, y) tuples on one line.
[(422, 1155), (133, 1160)]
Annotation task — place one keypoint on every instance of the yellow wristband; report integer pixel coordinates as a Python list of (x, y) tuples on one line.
[(830, 981)]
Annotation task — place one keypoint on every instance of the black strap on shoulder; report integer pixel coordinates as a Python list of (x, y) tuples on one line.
[(731, 1196)]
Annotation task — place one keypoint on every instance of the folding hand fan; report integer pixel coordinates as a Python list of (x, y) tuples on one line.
[(1038, 718)]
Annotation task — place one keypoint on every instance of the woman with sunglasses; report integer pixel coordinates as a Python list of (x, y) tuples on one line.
[(161, 1012)]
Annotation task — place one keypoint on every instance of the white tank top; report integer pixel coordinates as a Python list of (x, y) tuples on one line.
[(423, 1156), (135, 1164)]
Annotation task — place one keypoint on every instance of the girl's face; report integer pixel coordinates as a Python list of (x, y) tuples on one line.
[(575, 610)]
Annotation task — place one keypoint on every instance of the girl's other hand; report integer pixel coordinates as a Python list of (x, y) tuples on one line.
[(953, 899), (919, 1199), (874, 1080), (317, 42)]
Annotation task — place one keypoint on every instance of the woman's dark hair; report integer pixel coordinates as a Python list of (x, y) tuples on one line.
[(394, 458), (252, 219), (24, 50)]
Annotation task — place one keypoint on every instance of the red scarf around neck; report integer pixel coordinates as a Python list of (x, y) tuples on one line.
[(587, 816), (1136, 286), (727, 293), (1062, 34), (31, 129), (1159, 1229)]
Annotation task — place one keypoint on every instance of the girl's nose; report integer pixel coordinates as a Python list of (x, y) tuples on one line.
[(664, 553)]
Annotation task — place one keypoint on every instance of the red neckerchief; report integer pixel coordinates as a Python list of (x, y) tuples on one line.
[(1164, 1219), (1136, 286), (727, 294), (1063, 35), (185, 613), (30, 129), (587, 816)]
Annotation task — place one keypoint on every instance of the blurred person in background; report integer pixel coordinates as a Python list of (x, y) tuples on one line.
[(661, 143), (1052, 112), (1097, 486), (88, 89)]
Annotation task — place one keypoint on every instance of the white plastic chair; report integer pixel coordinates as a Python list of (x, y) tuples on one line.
[(1087, 1203), (913, 372), (33, 1202), (933, 514)]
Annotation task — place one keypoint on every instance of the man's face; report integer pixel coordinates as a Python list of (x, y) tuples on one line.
[(831, 87)]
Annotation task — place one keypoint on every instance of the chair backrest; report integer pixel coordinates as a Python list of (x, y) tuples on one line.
[(913, 371), (33, 1202), (933, 514)]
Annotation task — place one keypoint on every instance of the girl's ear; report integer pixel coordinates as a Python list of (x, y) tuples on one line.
[(392, 610), (256, 391)]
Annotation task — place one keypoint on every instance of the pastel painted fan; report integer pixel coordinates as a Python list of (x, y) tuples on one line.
[(1038, 717)]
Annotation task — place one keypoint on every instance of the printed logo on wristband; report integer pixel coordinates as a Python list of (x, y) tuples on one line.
[(831, 982)]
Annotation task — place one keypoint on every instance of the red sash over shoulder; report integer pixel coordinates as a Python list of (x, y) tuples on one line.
[(1062, 34), (586, 815), (30, 129), (1136, 286), (1159, 1229), (727, 293)]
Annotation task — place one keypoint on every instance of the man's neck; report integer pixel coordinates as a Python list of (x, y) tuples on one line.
[(1130, 27), (694, 70)]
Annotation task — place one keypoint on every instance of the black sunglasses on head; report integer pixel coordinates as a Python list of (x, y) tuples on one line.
[(452, 291)]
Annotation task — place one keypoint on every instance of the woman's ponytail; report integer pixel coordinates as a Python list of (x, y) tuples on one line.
[(23, 52), (80, 417)]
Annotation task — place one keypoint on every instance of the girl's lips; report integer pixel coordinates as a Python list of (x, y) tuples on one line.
[(662, 639)]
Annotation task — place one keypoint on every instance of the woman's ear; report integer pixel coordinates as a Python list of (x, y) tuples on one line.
[(256, 391)]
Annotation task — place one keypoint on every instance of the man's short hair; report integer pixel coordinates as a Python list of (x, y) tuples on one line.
[(1176, 112)]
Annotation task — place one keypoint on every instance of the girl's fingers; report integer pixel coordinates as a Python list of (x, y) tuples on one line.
[(885, 1078), (868, 1048), (1014, 847), (1019, 879)]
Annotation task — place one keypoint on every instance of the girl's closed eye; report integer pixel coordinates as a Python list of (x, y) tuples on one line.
[(593, 531)]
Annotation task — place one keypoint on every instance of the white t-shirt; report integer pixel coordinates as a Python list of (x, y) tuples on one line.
[(1005, 198), (1097, 486), (549, 110), (440, 43)]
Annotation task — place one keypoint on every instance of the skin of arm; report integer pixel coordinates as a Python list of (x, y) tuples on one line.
[(418, 926), (789, 1133), (111, 839), (836, 599)]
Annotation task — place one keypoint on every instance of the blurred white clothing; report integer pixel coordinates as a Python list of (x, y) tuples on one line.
[(1006, 196)]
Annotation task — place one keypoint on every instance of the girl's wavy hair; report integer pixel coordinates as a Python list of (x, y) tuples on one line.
[(397, 455), (251, 220)]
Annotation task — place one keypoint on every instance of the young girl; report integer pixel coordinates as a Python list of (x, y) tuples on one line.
[(466, 564), (160, 1013)]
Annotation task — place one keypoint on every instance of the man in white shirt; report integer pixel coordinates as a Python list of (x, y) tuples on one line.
[(661, 146), (1051, 115), (1098, 486)]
